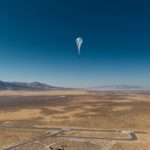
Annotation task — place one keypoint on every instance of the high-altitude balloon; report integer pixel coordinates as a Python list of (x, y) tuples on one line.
[(79, 42)]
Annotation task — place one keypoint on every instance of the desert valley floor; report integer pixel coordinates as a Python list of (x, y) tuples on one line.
[(75, 120)]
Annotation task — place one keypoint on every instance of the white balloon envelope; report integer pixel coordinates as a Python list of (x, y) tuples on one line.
[(79, 42)]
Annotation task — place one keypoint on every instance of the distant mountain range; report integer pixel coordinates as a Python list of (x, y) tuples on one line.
[(118, 87), (25, 86), (41, 86)]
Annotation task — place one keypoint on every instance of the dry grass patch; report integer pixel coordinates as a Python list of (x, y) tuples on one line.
[(22, 114), (121, 108)]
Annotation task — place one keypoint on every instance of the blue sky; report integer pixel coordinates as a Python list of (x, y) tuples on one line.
[(37, 42)]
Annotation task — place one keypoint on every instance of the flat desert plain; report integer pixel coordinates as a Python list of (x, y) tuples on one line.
[(75, 120)]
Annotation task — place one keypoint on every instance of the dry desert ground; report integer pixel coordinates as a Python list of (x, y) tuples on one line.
[(75, 120)]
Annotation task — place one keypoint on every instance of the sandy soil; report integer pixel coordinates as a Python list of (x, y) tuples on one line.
[(88, 110), (41, 93)]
